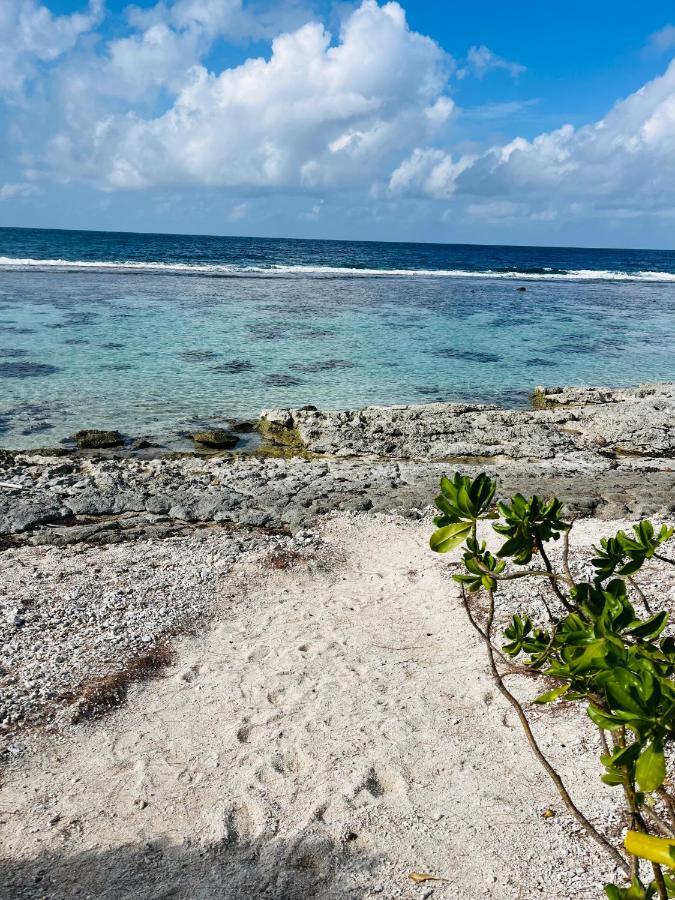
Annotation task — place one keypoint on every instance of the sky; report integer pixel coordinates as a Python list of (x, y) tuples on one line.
[(491, 122)]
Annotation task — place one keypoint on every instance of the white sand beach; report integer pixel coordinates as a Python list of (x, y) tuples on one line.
[(332, 730)]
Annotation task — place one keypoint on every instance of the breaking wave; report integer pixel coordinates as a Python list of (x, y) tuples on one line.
[(228, 270)]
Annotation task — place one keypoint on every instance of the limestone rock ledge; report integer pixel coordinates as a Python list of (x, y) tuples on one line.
[(585, 426)]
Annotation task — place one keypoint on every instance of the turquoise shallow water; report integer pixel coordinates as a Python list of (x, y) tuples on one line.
[(158, 351)]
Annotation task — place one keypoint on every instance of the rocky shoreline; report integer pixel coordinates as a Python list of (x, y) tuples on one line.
[(605, 452), (313, 684), (74, 608)]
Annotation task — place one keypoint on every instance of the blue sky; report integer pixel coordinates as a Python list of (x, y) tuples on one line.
[(485, 122)]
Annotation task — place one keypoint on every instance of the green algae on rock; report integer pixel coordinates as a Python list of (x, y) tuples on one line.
[(216, 439), (94, 439)]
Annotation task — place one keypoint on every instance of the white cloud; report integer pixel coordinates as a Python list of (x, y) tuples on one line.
[(429, 173), (493, 111), (366, 111), (20, 189), (623, 164), (314, 114), (30, 34), (481, 60), (663, 40)]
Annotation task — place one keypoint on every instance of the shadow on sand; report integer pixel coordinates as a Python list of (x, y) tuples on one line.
[(310, 865)]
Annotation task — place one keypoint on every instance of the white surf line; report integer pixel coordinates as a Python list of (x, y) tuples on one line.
[(234, 270)]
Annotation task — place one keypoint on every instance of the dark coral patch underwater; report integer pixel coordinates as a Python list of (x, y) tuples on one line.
[(26, 370)]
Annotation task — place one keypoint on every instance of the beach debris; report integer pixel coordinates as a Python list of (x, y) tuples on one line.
[(422, 877)]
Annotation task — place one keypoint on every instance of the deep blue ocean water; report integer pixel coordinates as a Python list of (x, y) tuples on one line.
[(156, 334)]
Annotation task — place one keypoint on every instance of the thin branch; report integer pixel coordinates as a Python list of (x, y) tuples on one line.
[(512, 576), (658, 823), (670, 804), (551, 772), (637, 823), (638, 590), (566, 555), (603, 741), (548, 610), (664, 559), (660, 883), (514, 669), (554, 580)]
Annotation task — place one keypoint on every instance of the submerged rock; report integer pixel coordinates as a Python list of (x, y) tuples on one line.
[(94, 439), (242, 426), (220, 440)]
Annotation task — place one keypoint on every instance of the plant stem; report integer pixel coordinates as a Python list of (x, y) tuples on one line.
[(637, 821), (548, 768), (554, 581), (660, 883), (566, 555), (658, 823), (670, 805), (638, 590), (512, 576), (664, 559)]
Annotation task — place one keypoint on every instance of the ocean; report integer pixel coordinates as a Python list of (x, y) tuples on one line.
[(160, 334)]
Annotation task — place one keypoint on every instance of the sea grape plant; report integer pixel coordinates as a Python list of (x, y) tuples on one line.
[(596, 649)]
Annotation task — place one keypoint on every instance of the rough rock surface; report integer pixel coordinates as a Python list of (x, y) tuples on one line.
[(601, 451), (584, 425), (68, 500)]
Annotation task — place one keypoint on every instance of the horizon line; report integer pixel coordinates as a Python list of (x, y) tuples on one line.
[(333, 240)]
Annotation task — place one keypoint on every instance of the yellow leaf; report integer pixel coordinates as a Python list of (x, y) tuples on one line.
[(658, 850), (420, 877)]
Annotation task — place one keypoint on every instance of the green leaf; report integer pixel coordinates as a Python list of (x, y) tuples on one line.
[(450, 536), (549, 696), (602, 719), (612, 778), (650, 628), (624, 756), (636, 891), (446, 507), (650, 769)]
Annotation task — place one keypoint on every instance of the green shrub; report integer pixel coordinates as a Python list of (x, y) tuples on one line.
[(597, 648)]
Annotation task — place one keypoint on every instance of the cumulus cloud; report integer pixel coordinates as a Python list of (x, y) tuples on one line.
[(368, 110), (481, 60), (316, 113), (623, 164), (430, 173), (30, 35)]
